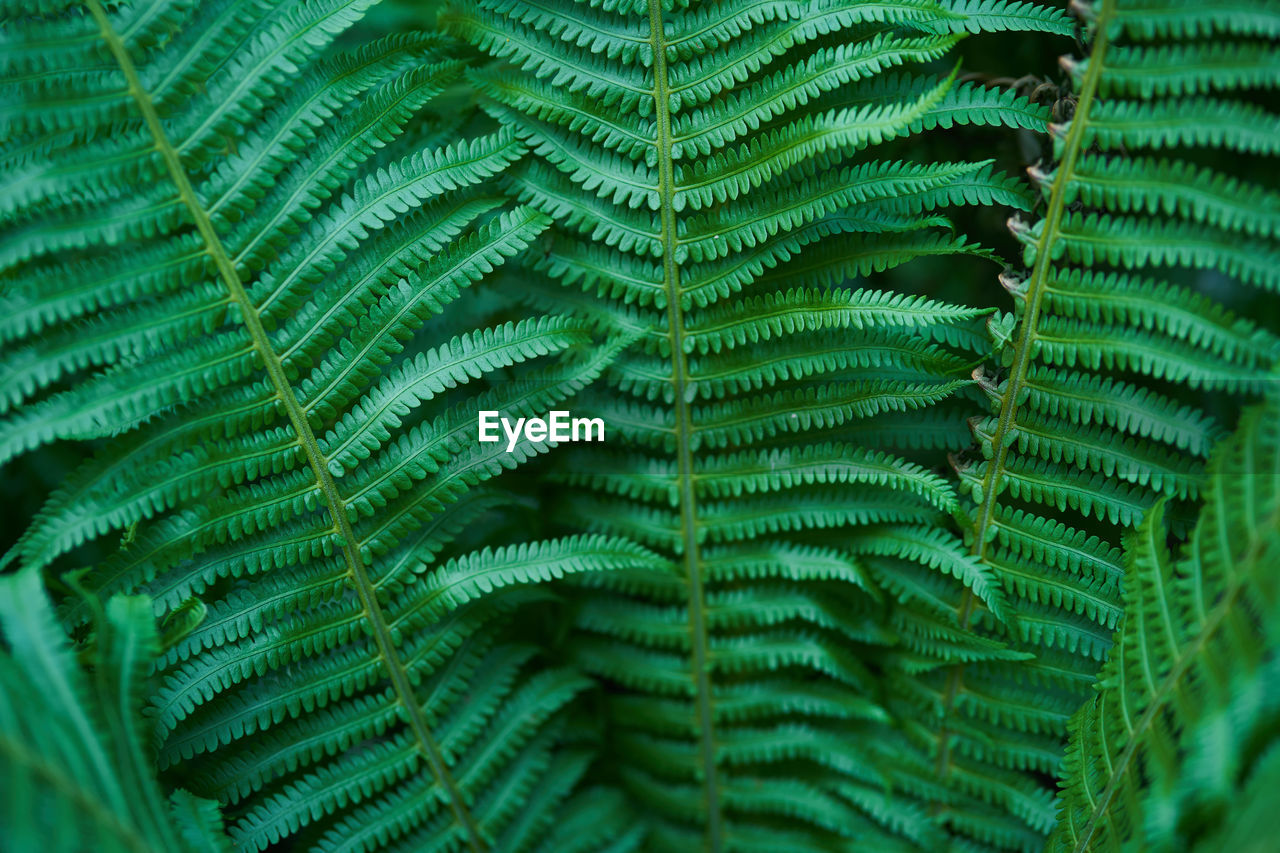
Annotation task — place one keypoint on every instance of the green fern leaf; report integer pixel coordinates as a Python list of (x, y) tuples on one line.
[(224, 243), (718, 186), (77, 770), (1089, 427), (1164, 746)]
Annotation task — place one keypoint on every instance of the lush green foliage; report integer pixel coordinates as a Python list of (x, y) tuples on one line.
[(716, 196), (1089, 420), (263, 264), (78, 775), (1189, 690), (244, 237)]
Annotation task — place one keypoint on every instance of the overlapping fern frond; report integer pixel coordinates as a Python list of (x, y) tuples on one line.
[(1185, 718), (76, 770), (719, 184), (220, 239), (237, 267), (1102, 395)]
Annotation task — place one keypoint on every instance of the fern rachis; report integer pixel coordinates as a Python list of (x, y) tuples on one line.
[(689, 544), (288, 399), (1014, 392)]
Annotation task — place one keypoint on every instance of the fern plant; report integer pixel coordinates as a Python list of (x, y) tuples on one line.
[(220, 238), (77, 773), (1189, 690), (718, 176), (1091, 422), (1088, 419), (238, 249)]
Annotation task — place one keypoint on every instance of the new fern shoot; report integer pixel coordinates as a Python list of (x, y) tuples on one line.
[(526, 426)]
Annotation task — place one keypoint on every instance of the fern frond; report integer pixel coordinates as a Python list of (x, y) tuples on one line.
[(222, 249), (1191, 678), (722, 196), (78, 773), (1089, 423)]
